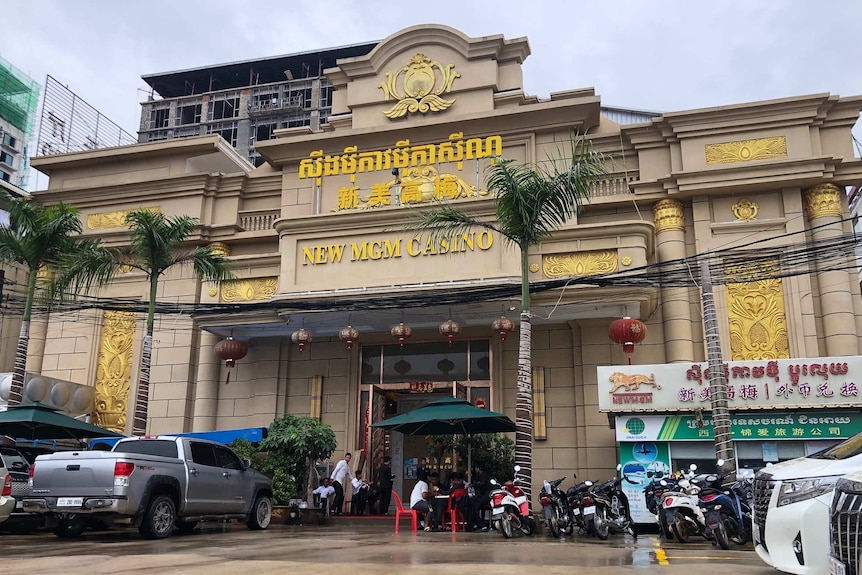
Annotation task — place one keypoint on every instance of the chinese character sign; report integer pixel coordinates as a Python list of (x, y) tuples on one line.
[(800, 382)]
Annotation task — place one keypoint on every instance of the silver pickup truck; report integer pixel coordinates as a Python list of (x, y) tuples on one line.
[(154, 483)]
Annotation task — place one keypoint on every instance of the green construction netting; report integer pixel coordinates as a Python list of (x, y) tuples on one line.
[(19, 97)]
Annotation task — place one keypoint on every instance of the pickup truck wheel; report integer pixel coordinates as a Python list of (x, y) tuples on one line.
[(261, 513), (70, 527), (159, 518)]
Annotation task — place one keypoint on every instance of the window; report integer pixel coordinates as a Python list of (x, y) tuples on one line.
[(8, 140), (306, 98), (203, 454), (297, 122), (6, 158), (225, 130), (227, 459), (189, 114), (160, 447), (5, 177), (326, 96), (265, 100), (424, 362), (159, 118), (263, 132), (155, 136), (224, 107)]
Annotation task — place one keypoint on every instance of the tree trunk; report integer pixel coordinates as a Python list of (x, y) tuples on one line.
[(524, 408), (142, 397), (16, 393)]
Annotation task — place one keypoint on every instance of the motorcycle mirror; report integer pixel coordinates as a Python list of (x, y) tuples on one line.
[(663, 482), (493, 482), (619, 467), (693, 466), (588, 483), (517, 468), (720, 462)]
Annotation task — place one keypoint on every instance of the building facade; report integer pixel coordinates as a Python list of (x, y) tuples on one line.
[(317, 232), (19, 97)]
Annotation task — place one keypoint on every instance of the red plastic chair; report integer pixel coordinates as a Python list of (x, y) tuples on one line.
[(399, 511), (453, 510)]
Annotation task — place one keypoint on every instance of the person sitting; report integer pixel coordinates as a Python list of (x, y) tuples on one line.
[(482, 498), (323, 495), (457, 491), (420, 499), (361, 494)]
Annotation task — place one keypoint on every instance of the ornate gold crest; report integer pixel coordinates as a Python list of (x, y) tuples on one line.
[(745, 210), (419, 81)]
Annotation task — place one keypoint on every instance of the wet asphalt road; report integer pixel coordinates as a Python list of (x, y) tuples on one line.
[(347, 550)]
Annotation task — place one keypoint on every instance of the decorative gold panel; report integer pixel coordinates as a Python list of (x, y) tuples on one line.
[(626, 260), (419, 80), (823, 200), (747, 150), (745, 210), (669, 216), (534, 268), (249, 290), (106, 220), (114, 370), (758, 325), (580, 264), (220, 249)]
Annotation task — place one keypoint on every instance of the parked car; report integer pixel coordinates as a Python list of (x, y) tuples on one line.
[(792, 507), (18, 469), (7, 502), (156, 483), (846, 515)]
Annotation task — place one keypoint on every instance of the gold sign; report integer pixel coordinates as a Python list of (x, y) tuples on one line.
[(580, 264), (390, 249), (415, 186), (747, 150), (107, 220), (419, 81)]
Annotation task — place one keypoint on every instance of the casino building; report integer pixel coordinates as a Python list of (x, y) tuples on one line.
[(313, 213)]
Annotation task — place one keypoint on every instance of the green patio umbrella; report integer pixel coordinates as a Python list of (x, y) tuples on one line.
[(449, 416), (39, 421)]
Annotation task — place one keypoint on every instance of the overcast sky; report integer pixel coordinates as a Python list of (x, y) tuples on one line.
[(660, 55)]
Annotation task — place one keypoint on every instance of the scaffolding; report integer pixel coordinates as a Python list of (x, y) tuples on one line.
[(19, 97)]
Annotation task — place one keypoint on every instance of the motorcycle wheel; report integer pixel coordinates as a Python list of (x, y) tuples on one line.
[(739, 536), (631, 531), (665, 530), (599, 524), (553, 517), (506, 527), (720, 534), (680, 531), (527, 526)]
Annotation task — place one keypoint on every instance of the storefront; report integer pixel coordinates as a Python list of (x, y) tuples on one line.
[(781, 409)]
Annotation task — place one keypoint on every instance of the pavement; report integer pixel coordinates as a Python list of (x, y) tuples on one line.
[(343, 548)]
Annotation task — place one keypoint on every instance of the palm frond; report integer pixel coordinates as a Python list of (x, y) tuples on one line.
[(445, 220)]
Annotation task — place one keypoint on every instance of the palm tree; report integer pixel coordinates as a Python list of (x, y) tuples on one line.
[(36, 237), (155, 245), (531, 202)]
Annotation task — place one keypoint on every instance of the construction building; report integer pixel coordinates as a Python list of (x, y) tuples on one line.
[(19, 98)]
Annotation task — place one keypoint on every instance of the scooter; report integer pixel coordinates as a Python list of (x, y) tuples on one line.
[(682, 510), (582, 505), (556, 508), (510, 508), (724, 519), (612, 508), (654, 495)]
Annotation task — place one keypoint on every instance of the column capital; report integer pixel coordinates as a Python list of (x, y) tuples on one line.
[(669, 216), (823, 200), (220, 249)]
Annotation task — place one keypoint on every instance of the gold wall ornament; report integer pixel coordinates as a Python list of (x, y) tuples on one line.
[(419, 81), (249, 290), (220, 249), (107, 220), (823, 200), (580, 263), (114, 370), (746, 150), (213, 291), (668, 215), (745, 210), (758, 324), (626, 260), (534, 268)]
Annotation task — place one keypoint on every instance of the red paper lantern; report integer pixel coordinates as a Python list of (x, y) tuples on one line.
[(503, 326), (450, 329), (402, 331), (627, 332), (349, 335), (231, 350), (301, 337)]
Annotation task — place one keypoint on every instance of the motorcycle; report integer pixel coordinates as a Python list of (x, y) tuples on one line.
[(582, 505), (613, 512), (556, 508), (654, 495), (510, 508), (682, 513), (724, 510)]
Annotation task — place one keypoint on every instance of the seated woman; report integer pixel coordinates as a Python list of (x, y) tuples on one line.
[(420, 499)]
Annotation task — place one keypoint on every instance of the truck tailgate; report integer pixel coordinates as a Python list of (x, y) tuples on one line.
[(75, 473)]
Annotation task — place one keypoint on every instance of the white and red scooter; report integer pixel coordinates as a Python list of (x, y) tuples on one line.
[(510, 508)]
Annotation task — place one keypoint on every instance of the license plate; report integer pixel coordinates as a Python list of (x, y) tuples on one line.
[(836, 567), (19, 505), (497, 511), (591, 510), (576, 511), (70, 501)]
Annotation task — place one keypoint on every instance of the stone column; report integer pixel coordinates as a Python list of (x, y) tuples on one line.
[(823, 203), (676, 308), (208, 380)]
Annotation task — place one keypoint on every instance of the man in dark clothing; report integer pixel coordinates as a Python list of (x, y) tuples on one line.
[(422, 473), (384, 483), (481, 485)]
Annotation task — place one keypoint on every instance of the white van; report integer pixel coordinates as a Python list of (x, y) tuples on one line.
[(792, 507), (845, 515)]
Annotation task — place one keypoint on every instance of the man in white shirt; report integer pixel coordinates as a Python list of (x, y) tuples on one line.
[(361, 493), (419, 501), (342, 470), (325, 491)]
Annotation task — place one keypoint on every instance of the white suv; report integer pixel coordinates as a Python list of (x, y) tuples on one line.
[(7, 502), (792, 507)]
